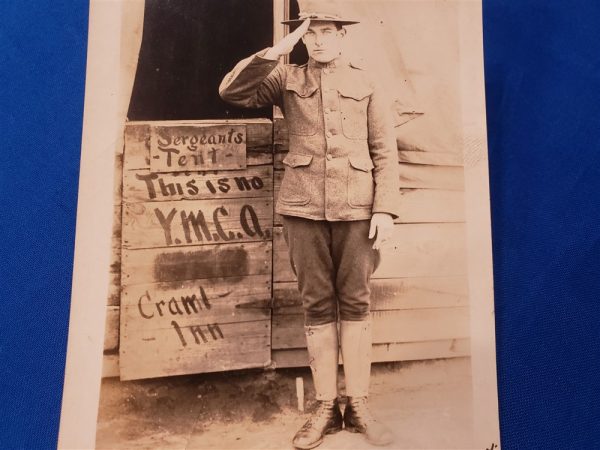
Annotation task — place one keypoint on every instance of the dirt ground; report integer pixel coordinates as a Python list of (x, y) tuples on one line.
[(426, 403)]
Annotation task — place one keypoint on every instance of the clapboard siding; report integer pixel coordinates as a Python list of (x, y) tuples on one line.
[(397, 351), (414, 250), (410, 325), (259, 140), (430, 158), (431, 177), (389, 294)]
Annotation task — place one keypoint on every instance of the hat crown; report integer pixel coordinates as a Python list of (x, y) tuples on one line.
[(320, 9)]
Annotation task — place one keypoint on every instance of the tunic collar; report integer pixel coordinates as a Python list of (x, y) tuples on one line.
[(337, 62)]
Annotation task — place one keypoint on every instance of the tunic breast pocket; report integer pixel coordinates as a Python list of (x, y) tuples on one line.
[(302, 109), (354, 101)]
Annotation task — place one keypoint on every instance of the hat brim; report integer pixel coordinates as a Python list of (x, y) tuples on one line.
[(340, 21)]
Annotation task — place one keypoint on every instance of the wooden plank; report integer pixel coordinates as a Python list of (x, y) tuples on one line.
[(388, 294), (430, 206), (409, 325), (208, 301), (431, 177), (196, 222), (259, 136), (110, 366), (403, 351), (149, 353), (428, 249), (142, 185), (414, 250), (430, 158), (111, 329), (178, 148), (195, 263), (114, 269)]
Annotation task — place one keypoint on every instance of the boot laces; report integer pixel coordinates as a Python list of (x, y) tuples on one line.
[(321, 414), (361, 409)]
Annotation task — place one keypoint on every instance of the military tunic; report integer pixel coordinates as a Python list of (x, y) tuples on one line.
[(342, 163)]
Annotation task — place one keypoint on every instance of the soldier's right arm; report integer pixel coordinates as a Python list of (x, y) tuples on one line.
[(254, 82), (258, 81)]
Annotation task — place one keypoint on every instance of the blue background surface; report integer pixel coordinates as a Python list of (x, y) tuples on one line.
[(542, 63)]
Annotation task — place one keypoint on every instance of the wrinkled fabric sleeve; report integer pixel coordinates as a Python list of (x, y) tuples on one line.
[(384, 153), (254, 82)]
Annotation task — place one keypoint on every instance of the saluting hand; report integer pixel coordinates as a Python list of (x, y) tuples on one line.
[(382, 225), (286, 45)]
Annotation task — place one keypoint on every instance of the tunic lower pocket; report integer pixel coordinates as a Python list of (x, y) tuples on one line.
[(295, 179), (361, 186)]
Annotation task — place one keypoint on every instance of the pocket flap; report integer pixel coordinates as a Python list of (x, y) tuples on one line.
[(364, 164), (297, 160), (302, 90), (355, 91)]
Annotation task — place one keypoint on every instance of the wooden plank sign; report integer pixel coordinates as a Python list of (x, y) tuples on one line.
[(179, 148), (196, 222), (195, 326)]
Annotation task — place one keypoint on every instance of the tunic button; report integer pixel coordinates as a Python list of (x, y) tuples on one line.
[(328, 134), (327, 110), (328, 156)]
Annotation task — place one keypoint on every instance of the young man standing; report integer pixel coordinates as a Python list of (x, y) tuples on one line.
[(338, 200)]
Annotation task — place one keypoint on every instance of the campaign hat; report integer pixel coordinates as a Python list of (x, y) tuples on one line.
[(326, 10)]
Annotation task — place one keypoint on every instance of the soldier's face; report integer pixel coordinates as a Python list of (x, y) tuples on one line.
[(323, 41)]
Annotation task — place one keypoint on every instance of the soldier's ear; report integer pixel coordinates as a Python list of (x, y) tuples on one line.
[(342, 31)]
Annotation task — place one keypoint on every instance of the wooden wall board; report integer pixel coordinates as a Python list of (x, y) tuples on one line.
[(142, 185), (430, 158), (150, 353), (259, 140), (192, 263), (196, 222), (214, 300), (389, 294), (432, 177), (403, 351), (430, 206), (409, 325), (111, 329), (414, 250)]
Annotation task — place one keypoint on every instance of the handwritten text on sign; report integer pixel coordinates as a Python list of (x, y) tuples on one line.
[(207, 147), (196, 222)]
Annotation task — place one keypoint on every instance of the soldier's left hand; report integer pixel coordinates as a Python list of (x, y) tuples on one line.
[(382, 225)]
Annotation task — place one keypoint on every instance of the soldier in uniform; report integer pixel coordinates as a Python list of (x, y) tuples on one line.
[(338, 200)]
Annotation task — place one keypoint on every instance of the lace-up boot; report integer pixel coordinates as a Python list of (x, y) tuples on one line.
[(327, 419), (323, 349), (356, 339), (359, 419)]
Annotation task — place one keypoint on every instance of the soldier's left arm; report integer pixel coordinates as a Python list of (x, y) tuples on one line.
[(384, 153)]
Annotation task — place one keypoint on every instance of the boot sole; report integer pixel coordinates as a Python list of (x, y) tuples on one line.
[(320, 441), (370, 441)]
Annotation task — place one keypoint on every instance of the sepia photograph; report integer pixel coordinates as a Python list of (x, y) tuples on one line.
[(293, 228)]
